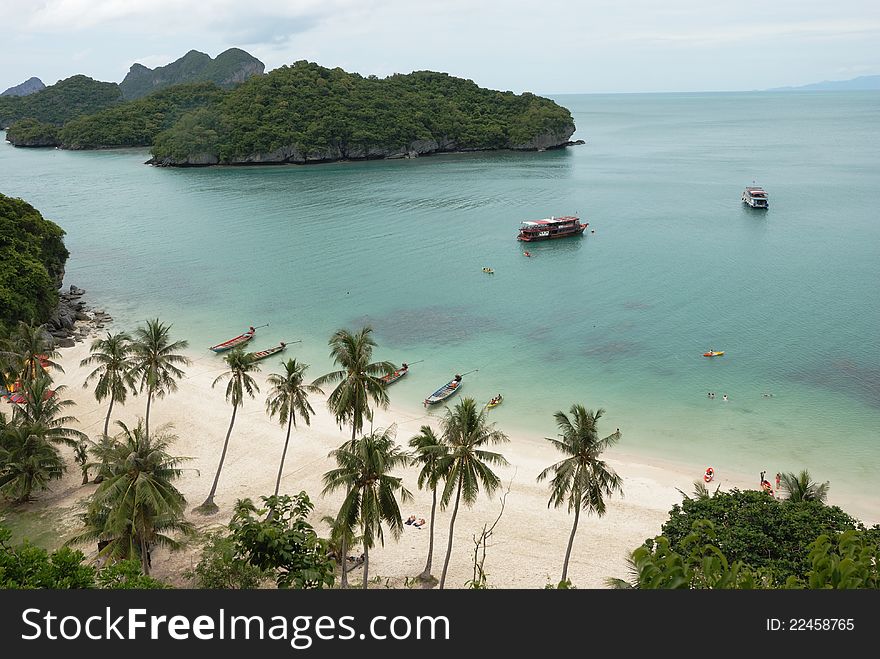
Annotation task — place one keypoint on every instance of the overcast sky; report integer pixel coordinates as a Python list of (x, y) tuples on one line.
[(544, 46)]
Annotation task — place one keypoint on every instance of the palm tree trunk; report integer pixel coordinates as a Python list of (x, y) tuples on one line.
[(147, 418), (283, 454), (426, 574), (343, 582), (451, 528), (145, 564), (85, 472), (366, 564), (577, 513), (209, 502), (107, 420)]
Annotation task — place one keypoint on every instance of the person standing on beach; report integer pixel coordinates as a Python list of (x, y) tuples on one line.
[(778, 478)]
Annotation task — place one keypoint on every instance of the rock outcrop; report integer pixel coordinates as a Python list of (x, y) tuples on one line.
[(29, 86), (74, 321)]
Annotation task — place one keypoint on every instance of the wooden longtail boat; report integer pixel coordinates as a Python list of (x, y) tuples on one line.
[(396, 375), (445, 391), (241, 339), (262, 354)]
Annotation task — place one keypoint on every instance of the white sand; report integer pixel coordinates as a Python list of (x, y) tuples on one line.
[(529, 543)]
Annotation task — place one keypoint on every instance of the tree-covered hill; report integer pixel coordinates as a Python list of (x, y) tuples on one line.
[(32, 257), (30, 132), (136, 123), (230, 67), (61, 102), (308, 113)]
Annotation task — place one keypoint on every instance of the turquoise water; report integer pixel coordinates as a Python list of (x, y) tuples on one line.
[(617, 319)]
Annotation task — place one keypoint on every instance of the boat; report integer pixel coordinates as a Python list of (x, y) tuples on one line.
[(552, 227), (755, 196), (495, 402), (445, 391), (262, 354), (713, 353), (396, 375), (241, 339), (489, 271)]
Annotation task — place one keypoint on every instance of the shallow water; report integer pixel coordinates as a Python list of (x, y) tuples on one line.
[(617, 319)]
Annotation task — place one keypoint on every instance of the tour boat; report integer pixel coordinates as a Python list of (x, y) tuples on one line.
[(755, 196), (553, 227)]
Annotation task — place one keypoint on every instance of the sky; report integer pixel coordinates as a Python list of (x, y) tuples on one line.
[(542, 46)]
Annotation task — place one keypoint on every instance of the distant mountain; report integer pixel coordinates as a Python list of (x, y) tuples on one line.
[(231, 67), (29, 86), (862, 83)]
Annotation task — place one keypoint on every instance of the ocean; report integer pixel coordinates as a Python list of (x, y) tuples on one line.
[(673, 264)]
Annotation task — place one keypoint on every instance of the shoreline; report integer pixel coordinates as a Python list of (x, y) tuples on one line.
[(526, 550)]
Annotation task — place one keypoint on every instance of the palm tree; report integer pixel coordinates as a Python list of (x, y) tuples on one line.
[(137, 505), (29, 352), (431, 454), (359, 380), (241, 365), (801, 488), (43, 412), (103, 451), (466, 432), (27, 462), (112, 372), (582, 479), (370, 490), (155, 362), (289, 395), (81, 457)]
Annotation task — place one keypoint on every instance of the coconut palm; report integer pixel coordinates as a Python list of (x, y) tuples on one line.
[(289, 396), (29, 352), (137, 506), (800, 487), (112, 374), (359, 381), (430, 453), (241, 365), (43, 412), (582, 480), (466, 433), (27, 462), (81, 457), (155, 362), (370, 490)]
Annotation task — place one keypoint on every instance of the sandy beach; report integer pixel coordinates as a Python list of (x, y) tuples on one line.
[(526, 550)]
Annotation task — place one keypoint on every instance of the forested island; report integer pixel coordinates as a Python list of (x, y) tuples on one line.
[(300, 113)]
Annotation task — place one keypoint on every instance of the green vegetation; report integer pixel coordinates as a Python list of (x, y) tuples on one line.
[(27, 567), (230, 67), (61, 102), (31, 132), (32, 257), (307, 112), (137, 123), (221, 567), (278, 538)]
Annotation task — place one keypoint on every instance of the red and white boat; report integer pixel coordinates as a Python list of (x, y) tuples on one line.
[(553, 227), (241, 339)]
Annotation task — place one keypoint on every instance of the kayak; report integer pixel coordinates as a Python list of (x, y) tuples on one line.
[(495, 403), (716, 353)]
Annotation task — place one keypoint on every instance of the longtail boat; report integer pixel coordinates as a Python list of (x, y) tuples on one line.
[(445, 391), (241, 339), (262, 354), (396, 375)]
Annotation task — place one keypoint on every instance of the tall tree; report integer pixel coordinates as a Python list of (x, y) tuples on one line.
[(43, 412), (240, 365), (29, 352), (431, 454), (801, 487), (289, 396), (359, 380), (466, 432), (371, 491), (137, 506), (27, 462), (156, 361), (582, 480), (112, 374)]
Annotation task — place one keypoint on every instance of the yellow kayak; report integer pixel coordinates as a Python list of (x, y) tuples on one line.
[(495, 402), (714, 353)]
